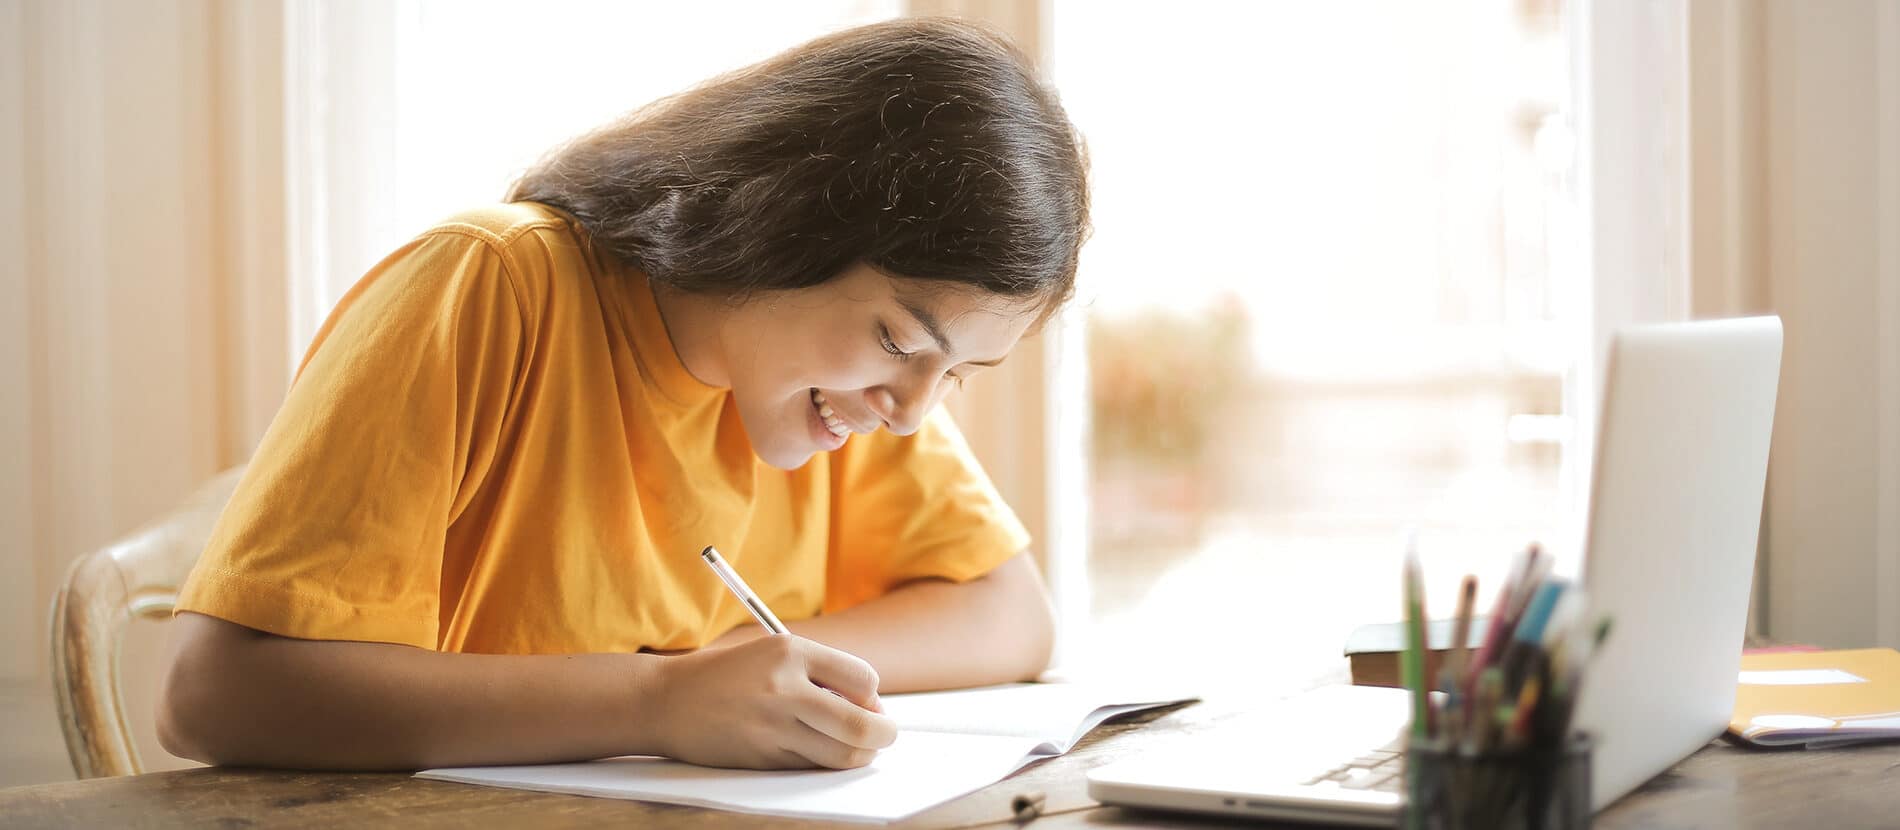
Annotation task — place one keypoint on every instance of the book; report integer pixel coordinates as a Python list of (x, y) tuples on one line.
[(1817, 699), (948, 744), (1373, 650)]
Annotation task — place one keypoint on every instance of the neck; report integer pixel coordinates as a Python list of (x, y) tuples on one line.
[(693, 324)]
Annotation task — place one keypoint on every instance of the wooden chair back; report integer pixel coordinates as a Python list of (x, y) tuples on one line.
[(137, 576)]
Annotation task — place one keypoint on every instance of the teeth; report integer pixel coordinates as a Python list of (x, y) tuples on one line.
[(826, 414)]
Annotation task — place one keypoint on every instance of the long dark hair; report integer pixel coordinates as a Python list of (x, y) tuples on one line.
[(924, 147)]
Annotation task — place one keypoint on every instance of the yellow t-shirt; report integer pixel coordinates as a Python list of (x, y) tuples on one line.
[(492, 447)]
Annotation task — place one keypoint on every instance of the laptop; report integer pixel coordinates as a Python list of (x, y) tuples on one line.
[(1669, 553)]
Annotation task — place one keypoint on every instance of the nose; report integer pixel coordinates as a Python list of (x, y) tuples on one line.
[(902, 407)]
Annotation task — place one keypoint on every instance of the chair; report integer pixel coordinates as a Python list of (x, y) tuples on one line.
[(137, 576)]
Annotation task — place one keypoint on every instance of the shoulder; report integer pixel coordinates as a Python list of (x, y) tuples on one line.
[(505, 222), (519, 232), (538, 246)]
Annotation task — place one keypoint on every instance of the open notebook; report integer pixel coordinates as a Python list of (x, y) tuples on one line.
[(948, 744), (1818, 698)]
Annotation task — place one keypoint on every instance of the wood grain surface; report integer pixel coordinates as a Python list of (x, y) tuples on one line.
[(1720, 786)]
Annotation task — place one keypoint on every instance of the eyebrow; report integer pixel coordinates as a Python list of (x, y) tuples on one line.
[(928, 322)]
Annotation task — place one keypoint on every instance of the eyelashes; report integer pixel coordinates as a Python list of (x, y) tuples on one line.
[(890, 348)]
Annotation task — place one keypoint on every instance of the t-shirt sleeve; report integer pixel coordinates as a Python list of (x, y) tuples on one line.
[(913, 507), (337, 529)]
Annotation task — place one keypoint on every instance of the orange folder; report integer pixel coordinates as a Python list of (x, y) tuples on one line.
[(1818, 698)]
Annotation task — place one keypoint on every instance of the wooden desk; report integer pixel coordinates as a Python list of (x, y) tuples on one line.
[(1720, 786)]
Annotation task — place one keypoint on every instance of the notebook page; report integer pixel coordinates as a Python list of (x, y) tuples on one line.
[(1056, 715), (919, 771)]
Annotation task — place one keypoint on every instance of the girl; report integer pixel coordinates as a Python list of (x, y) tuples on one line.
[(471, 535)]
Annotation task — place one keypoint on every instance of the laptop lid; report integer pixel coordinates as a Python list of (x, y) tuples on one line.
[(1676, 498)]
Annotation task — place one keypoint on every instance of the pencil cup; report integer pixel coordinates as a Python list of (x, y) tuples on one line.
[(1530, 789)]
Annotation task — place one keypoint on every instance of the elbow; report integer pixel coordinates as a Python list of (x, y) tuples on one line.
[(176, 737), (1041, 647), (193, 704), (180, 720), (1032, 620)]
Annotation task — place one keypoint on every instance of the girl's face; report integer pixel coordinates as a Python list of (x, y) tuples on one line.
[(811, 367)]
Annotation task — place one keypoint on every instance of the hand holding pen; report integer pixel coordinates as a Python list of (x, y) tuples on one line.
[(777, 702)]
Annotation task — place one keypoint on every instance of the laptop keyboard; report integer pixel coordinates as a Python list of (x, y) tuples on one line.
[(1380, 770)]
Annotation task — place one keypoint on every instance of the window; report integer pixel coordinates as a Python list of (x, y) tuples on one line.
[(1323, 306)]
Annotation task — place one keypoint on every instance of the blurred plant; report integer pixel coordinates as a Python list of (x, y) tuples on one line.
[(1160, 381)]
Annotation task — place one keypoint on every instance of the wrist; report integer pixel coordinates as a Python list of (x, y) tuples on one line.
[(738, 635), (644, 704)]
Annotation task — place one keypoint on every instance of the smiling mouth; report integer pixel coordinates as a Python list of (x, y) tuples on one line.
[(833, 423)]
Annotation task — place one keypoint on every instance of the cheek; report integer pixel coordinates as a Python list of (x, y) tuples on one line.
[(828, 355), (845, 370), (786, 370)]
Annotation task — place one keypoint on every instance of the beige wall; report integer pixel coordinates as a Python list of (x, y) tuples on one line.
[(141, 344), (1829, 141), (1795, 111)]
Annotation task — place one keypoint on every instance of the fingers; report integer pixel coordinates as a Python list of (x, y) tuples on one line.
[(805, 704), (851, 678), (843, 721), (825, 751)]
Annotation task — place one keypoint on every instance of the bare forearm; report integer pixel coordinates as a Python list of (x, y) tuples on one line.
[(935, 634), (925, 636), (331, 705)]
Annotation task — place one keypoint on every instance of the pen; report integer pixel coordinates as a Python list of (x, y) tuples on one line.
[(1538, 574), (1536, 566), (1413, 659), (1520, 729), (1478, 729), (1412, 666), (1495, 631), (1452, 674), (741, 590), (1525, 642), (1530, 625), (1563, 617)]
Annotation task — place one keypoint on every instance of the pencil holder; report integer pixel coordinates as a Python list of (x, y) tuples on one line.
[(1448, 788)]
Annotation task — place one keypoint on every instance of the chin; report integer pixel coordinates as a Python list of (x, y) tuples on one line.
[(784, 458), (774, 447), (782, 432)]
